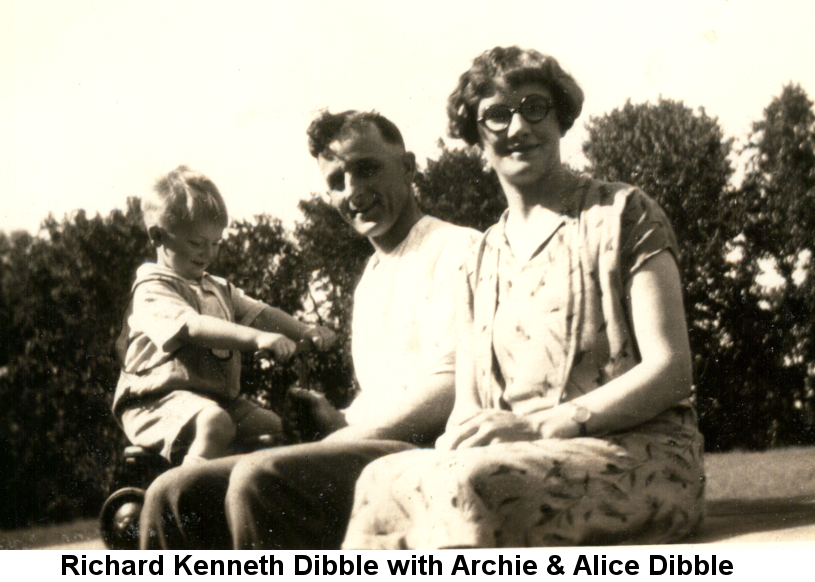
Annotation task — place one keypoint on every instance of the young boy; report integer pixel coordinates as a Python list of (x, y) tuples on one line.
[(184, 330)]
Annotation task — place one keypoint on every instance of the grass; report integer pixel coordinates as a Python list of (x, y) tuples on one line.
[(84, 530), (743, 476), (776, 474)]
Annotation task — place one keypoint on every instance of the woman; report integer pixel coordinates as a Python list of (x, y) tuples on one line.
[(572, 423)]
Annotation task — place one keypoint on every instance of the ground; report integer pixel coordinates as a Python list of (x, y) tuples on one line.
[(766, 497)]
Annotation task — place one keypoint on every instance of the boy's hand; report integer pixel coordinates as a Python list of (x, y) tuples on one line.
[(278, 346), (322, 337)]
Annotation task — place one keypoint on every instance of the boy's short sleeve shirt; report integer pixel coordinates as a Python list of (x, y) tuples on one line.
[(163, 303), (155, 361)]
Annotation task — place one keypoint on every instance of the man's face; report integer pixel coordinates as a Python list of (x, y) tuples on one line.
[(369, 180)]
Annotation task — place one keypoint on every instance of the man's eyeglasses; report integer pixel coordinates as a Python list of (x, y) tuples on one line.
[(533, 108)]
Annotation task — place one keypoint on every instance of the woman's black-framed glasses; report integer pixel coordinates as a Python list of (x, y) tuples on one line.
[(533, 108)]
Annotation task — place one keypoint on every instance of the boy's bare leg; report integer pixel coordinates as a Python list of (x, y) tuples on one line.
[(214, 431), (261, 428)]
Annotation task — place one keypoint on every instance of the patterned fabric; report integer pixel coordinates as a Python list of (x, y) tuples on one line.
[(532, 335), (643, 486), (548, 330)]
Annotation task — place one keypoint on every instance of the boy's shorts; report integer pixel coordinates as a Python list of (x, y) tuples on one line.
[(157, 425)]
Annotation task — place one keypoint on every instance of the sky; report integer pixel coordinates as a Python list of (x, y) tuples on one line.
[(98, 99)]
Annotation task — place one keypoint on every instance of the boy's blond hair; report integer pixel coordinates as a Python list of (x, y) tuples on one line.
[(183, 196)]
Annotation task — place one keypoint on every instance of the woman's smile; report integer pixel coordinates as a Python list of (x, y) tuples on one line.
[(522, 148)]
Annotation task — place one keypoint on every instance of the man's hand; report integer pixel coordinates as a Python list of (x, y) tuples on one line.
[(322, 337), (326, 417)]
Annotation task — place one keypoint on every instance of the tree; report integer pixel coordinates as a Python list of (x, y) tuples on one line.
[(62, 297), (67, 290), (677, 156), (332, 257), (776, 210), (458, 188), (779, 185), (261, 258)]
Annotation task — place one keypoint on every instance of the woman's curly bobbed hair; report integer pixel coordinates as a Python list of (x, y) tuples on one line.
[(512, 66)]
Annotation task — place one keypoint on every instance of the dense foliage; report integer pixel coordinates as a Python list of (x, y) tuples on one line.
[(750, 342), (775, 209), (459, 188), (62, 294)]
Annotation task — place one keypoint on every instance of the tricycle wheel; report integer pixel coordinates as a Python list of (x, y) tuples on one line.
[(119, 520)]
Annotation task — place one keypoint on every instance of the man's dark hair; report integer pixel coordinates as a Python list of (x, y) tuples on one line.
[(329, 127)]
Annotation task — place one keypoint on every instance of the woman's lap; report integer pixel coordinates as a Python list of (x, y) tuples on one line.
[(636, 487)]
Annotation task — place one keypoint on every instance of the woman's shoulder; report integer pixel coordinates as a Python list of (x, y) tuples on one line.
[(621, 217), (617, 202), (599, 194)]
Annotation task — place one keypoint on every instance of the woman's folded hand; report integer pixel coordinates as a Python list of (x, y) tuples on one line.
[(501, 426), (487, 427)]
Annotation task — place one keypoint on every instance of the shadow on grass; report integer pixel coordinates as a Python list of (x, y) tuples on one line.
[(82, 531), (732, 518), (761, 496)]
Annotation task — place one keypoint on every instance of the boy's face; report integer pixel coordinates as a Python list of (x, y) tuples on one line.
[(188, 248)]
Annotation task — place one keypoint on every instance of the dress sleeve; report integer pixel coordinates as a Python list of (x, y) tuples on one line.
[(644, 232), (159, 312)]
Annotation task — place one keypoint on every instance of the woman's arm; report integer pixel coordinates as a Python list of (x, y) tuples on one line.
[(659, 381), (664, 375)]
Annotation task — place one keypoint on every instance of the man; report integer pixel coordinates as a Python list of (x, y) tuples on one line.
[(403, 338)]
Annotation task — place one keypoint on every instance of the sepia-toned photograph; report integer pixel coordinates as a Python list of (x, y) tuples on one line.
[(406, 276)]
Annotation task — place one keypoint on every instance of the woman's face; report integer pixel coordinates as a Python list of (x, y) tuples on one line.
[(526, 151)]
